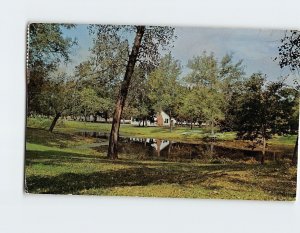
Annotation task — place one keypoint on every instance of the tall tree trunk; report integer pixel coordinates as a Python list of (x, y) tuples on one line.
[(191, 124), (262, 161), (54, 121), (85, 117), (212, 127), (211, 149), (114, 133), (170, 122), (106, 117), (295, 154)]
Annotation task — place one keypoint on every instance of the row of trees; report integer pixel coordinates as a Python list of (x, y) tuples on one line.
[(118, 80)]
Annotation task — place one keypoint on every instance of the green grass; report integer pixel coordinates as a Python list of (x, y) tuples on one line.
[(287, 140), (183, 134), (55, 164)]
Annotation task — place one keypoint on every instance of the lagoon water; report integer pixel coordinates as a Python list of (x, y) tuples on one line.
[(157, 149)]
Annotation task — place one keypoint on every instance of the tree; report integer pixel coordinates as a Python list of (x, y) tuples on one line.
[(55, 97), (213, 107), (47, 48), (263, 110), (215, 82), (103, 69), (192, 106), (204, 76), (231, 78), (164, 86), (146, 44), (89, 102), (289, 56)]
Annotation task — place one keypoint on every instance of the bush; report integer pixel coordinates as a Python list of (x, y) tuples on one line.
[(221, 160), (42, 122)]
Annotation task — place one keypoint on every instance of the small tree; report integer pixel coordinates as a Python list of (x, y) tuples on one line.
[(263, 111), (204, 76), (89, 102), (55, 98), (192, 106), (231, 76)]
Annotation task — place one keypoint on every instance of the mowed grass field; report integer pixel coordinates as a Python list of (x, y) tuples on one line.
[(183, 134), (56, 163)]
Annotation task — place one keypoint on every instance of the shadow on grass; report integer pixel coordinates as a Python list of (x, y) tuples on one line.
[(139, 176), (57, 157), (50, 157), (44, 137), (273, 179)]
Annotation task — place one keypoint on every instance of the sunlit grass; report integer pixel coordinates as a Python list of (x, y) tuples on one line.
[(54, 164), (288, 140)]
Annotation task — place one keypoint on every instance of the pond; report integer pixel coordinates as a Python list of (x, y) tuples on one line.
[(157, 149)]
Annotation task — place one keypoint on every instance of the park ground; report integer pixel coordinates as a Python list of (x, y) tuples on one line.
[(57, 164)]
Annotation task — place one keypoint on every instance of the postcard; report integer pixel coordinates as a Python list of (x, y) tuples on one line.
[(162, 111)]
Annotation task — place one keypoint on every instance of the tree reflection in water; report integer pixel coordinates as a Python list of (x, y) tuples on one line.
[(149, 148)]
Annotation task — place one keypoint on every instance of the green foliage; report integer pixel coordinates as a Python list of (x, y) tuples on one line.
[(47, 48), (57, 95), (204, 70), (192, 105), (101, 74), (215, 84), (138, 104), (230, 73), (105, 66), (89, 101), (155, 40), (38, 122), (212, 83), (164, 86), (266, 108)]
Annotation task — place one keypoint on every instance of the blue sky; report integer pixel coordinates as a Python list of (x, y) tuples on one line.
[(257, 47)]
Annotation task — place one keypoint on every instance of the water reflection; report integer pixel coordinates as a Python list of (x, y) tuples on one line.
[(148, 148)]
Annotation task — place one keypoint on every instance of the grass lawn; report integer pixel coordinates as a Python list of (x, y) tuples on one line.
[(55, 163), (183, 134)]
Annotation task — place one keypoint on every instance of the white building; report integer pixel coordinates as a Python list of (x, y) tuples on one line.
[(161, 119)]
